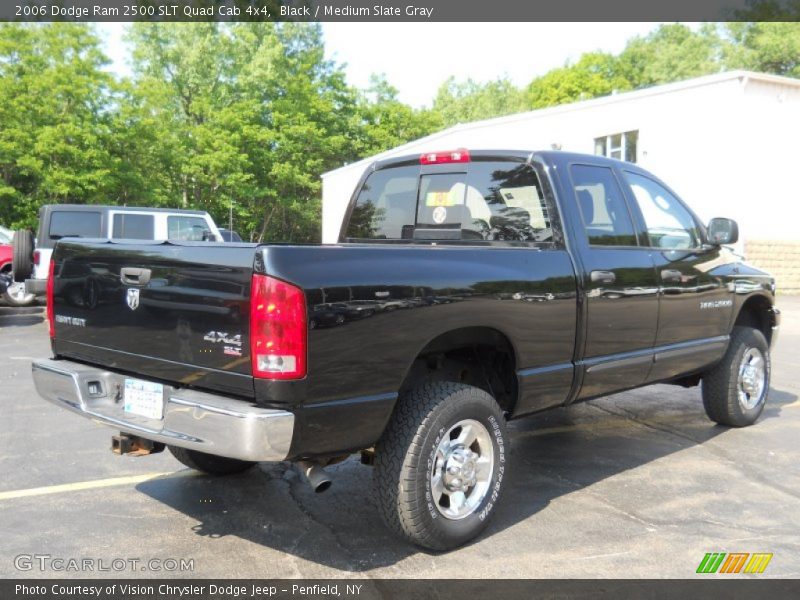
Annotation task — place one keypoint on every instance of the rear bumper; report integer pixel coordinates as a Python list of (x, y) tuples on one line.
[(195, 420)]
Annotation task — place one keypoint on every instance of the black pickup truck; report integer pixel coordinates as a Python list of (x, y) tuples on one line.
[(468, 288)]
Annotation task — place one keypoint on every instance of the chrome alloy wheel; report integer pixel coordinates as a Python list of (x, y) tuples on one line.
[(752, 378), (462, 469), (17, 294)]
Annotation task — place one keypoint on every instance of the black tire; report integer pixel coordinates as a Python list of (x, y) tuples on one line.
[(722, 387), (22, 257), (208, 463), (405, 456)]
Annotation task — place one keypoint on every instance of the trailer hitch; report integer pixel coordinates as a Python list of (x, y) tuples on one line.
[(133, 445)]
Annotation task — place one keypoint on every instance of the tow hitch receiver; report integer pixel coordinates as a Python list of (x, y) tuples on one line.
[(132, 445)]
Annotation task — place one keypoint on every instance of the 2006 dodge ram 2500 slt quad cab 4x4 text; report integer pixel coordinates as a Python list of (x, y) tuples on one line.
[(467, 289)]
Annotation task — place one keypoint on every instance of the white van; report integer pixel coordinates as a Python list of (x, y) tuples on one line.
[(58, 221)]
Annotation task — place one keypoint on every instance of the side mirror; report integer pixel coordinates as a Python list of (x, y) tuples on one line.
[(722, 231), (208, 236)]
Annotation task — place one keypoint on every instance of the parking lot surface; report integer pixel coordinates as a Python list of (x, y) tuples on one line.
[(640, 484)]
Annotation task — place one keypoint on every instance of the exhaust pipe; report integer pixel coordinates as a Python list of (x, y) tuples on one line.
[(315, 475)]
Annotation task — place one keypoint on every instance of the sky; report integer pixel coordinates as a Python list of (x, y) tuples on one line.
[(418, 58)]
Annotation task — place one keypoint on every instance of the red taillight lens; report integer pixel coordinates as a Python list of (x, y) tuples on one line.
[(278, 331), (36, 257), (51, 311), (452, 156)]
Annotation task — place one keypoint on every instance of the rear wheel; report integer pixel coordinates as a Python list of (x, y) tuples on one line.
[(22, 257), (441, 464), (735, 391), (209, 463)]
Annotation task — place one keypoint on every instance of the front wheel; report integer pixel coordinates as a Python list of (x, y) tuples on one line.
[(441, 464), (735, 391)]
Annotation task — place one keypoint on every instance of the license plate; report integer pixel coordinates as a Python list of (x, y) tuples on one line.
[(144, 398)]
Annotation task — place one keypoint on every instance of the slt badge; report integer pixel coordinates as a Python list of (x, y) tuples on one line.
[(132, 298)]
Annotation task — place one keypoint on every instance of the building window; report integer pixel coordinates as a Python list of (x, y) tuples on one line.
[(621, 146)]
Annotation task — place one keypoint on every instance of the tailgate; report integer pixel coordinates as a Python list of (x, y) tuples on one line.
[(178, 312)]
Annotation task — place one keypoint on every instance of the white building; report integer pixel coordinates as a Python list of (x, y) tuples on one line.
[(727, 143)]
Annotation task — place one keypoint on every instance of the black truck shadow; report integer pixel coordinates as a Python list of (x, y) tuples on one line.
[(22, 316), (553, 454)]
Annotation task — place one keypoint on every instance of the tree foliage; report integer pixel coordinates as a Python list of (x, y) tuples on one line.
[(56, 125), (462, 102), (385, 122), (671, 53), (595, 74)]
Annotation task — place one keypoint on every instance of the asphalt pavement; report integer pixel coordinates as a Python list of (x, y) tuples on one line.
[(640, 484)]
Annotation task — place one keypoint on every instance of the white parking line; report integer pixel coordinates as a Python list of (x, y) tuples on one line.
[(91, 485)]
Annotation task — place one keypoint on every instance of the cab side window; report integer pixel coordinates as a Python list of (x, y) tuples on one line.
[(133, 227), (606, 218), (187, 229), (669, 224)]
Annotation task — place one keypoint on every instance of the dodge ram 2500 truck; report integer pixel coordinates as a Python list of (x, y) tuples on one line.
[(467, 289)]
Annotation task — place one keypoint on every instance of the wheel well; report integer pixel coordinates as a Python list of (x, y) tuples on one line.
[(479, 356), (756, 312), (6, 268)]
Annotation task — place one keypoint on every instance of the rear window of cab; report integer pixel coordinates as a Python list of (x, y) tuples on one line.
[(479, 200)]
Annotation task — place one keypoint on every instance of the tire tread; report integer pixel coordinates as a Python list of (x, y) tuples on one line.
[(401, 447), (719, 390)]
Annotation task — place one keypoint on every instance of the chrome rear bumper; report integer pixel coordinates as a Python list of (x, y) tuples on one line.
[(195, 420)]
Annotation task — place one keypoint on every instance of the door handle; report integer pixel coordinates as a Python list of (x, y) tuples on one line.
[(603, 276), (672, 275), (134, 276)]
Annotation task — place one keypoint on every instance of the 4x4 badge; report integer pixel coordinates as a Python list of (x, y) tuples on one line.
[(133, 298)]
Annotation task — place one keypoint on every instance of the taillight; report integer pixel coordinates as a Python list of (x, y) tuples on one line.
[(36, 257), (51, 311), (452, 156), (278, 331)]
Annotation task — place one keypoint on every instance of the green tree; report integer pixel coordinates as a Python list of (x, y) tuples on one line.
[(766, 47), (385, 122), (595, 74), (55, 124), (671, 53), (251, 115), (462, 102)]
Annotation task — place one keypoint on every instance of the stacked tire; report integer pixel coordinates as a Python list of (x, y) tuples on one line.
[(22, 269)]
